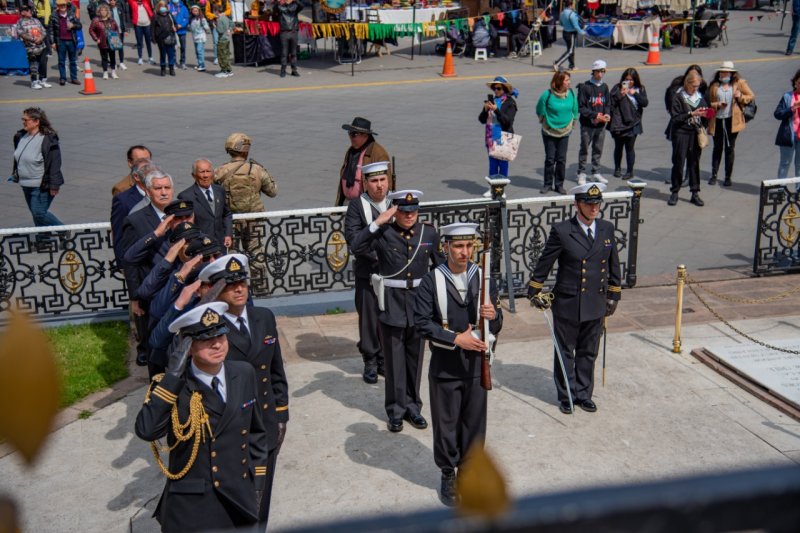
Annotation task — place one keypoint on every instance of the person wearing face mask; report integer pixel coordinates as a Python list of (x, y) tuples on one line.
[(180, 15), (594, 108), (628, 100), (728, 93), (163, 29)]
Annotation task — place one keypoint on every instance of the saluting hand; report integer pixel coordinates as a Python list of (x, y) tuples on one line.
[(466, 341), (190, 265), (162, 228), (386, 216), (172, 253), (186, 295)]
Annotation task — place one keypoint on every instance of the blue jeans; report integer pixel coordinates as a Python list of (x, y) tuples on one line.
[(182, 42), (795, 32), (67, 49), (143, 34), (497, 166), (786, 159), (200, 52), (166, 53), (39, 202), (215, 36)]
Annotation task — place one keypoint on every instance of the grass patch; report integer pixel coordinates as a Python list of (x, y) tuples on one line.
[(91, 357), (335, 311)]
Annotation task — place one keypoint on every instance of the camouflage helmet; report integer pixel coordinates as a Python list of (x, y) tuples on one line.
[(237, 142)]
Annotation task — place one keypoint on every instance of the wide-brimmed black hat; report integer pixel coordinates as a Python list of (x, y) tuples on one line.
[(360, 125)]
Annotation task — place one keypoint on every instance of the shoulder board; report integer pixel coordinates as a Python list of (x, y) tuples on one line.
[(254, 162)]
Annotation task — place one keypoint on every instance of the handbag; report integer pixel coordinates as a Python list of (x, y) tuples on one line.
[(506, 148), (749, 110), (114, 41), (80, 44), (702, 137), (170, 39)]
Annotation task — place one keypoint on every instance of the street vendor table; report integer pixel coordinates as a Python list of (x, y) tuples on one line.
[(630, 33), (13, 59), (398, 16)]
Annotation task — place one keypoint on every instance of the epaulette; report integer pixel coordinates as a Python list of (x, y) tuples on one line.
[(159, 392)]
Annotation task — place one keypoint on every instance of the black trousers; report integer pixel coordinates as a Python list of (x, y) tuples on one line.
[(369, 336), (402, 349), (685, 151), (266, 498), (627, 143), (288, 48), (571, 39), (724, 141), (108, 58), (555, 159), (579, 342), (458, 418)]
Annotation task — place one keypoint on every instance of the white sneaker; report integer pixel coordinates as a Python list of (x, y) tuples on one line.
[(599, 178), (151, 61), (582, 178), (122, 66), (105, 75), (228, 74), (45, 84), (183, 66), (140, 61), (114, 74), (36, 85), (221, 75)]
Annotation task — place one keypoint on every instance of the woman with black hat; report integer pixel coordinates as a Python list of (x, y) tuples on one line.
[(364, 149)]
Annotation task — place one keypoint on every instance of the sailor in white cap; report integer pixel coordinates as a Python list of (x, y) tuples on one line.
[(405, 249), (209, 413), (587, 289), (447, 312), (360, 214), (594, 109)]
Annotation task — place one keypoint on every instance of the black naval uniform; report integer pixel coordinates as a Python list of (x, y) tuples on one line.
[(458, 402), (261, 348), (219, 490), (402, 344), (365, 265), (588, 275)]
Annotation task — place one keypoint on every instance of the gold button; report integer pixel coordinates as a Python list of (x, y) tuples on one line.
[(265, 406), (583, 290), (409, 274), (265, 393), (263, 380), (602, 270), (410, 248), (216, 484), (583, 270), (602, 280), (244, 461), (584, 261), (244, 475), (244, 432), (214, 469), (584, 280), (603, 261), (263, 367), (244, 446), (213, 454)]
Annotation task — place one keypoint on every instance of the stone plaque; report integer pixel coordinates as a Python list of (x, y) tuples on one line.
[(777, 371)]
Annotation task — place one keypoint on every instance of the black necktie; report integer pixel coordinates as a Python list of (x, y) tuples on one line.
[(243, 327), (215, 385), (208, 195), (589, 234)]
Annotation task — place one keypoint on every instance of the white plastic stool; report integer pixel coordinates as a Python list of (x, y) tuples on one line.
[(480, 53), (537, 48)]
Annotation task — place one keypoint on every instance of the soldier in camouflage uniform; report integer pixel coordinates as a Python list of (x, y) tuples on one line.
[(244, 180)]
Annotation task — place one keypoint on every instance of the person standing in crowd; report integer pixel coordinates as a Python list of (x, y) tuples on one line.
[(142, 16), (211, 16), (406, 248), (215, 478), (124, 202), (498, 113), (120, 16), (163, 29), (134, 154), (628, 100), (594, 108), (253, 338), (795, 31), (688, 112), (98, 30), (360, 214), (212, 214), (42, 10), (37, 165), (557, 110), (447, 312), (677, 84), (728, 94), (286, 12), (33, 36), (199, 27), (180, 16), (63, 25), (224, 29), (364, 149), (570, 28), (587, 289), (788, 137), (244, 180)]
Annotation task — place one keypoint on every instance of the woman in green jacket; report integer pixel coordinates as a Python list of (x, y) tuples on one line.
[(557, 110)]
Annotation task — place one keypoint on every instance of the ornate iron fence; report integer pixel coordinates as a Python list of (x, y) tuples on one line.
[(69, 271), (777, 243)]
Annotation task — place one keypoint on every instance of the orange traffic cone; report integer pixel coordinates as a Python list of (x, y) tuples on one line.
[(654, 54), (88, 80), (449, 70)]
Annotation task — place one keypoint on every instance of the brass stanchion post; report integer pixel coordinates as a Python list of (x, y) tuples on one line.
[(676, 341)]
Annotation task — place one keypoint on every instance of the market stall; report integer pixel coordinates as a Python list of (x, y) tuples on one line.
[(13, 59)]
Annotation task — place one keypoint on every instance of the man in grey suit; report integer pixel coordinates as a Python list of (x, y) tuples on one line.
[(211, 213)]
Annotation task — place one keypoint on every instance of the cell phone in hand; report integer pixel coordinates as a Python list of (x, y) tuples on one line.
[(490, 98)]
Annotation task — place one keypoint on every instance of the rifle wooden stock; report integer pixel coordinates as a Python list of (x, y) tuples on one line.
[(483, 324), (394, 176)]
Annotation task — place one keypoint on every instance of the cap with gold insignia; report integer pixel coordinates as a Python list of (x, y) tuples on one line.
[(231, 268), (203, 245), (407, 200), (373, 170), (589, 193), (460, 231), (201, 323), (179, 208), (184, 230)]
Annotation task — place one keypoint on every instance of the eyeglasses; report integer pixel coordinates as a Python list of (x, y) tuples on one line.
[(26, 119), (498, 88)]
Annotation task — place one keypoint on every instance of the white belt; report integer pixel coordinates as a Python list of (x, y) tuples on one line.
[(402, 283)]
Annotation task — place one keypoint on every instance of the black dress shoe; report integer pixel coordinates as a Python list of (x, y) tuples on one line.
[(74, 82), (673, 199), (697, 201), (370, 374), (713, 180), (395, 425), (628, 176), (545, 190), (565, 408), (418, 421), (295, 74), (283, 73), (617, 172), (727, 182), (141, 359), (448, 491), (381, 371), (62, 82), (588, 406), (560, 190)]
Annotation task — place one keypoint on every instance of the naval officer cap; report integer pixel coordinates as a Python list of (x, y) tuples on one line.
[(201, 323), (460, 231), (179, 208), (184, 230), (203, 245), (407, 200), (373, 170), (232, 268), (589, 193)]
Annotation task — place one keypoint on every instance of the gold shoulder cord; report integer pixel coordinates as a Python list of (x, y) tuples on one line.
[(195, 426)]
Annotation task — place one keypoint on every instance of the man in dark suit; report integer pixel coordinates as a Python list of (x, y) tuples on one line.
[(219, 487), (406, 248), (587, 289), (360, 214), (447, 312), (253, 338), (122, 204), (211, 213)]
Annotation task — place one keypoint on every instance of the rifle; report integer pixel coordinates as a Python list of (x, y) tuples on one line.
[(394, 174), (483, 323)]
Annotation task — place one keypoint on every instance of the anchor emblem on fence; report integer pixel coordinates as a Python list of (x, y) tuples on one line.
[(337, 259), (72, 281), (790, 235)]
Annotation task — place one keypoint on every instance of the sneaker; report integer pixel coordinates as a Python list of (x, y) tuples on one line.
[(200, 69), (295, 74), (582, 178), (216, 61), (45, 84), (139, 62), (673, 199), (599, 178), (151, 61), (105, 75), (123, 66), (221, 75), (36, 85), (512, 55), (183, 66), (228, 74), (114, 75)]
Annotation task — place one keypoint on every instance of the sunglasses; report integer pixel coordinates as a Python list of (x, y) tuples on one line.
[(498, 88), (355, 133)]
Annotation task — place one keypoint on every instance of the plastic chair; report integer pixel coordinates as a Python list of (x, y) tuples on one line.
[(480, 53)]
